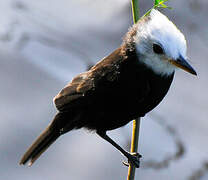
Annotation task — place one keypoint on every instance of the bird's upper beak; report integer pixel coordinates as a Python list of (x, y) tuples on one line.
[(183, 64)]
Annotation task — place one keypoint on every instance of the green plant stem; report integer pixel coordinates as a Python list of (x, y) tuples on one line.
[(134, 146), (135, 10), (136, 122)]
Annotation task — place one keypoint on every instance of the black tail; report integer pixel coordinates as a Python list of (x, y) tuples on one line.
[(47, 137)]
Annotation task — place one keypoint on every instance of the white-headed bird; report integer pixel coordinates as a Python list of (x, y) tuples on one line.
[(125, 85)]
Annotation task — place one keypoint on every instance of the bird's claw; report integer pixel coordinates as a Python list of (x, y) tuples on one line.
[(133, 158)]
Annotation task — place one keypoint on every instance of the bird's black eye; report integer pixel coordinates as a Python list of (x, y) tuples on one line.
[(158, 49)]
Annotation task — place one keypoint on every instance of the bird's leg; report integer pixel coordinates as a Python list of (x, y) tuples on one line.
[(133, 158)]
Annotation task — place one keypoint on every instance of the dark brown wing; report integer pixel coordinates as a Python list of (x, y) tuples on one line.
[(87, 82)]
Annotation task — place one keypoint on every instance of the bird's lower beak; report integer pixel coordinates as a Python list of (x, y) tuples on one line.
[(183, 64)]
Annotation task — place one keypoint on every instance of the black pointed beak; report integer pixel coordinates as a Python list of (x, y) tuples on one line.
[(183, 64)]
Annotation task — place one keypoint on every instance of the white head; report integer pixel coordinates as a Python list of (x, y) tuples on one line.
[(160, 44)]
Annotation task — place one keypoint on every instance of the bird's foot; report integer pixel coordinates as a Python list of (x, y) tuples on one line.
[(134, 159)]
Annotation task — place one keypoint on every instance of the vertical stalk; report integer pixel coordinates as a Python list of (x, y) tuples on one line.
[(134, 146), (135, 10), (136, 122)]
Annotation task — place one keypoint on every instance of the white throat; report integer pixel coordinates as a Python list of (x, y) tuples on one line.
[(161, 68)]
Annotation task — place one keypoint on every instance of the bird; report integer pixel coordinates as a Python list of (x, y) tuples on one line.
[(125, 85)]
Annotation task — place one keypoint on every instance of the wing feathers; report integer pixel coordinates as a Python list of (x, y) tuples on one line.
[(107, 69)]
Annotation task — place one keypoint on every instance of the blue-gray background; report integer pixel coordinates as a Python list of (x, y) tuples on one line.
[(43, 44)]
